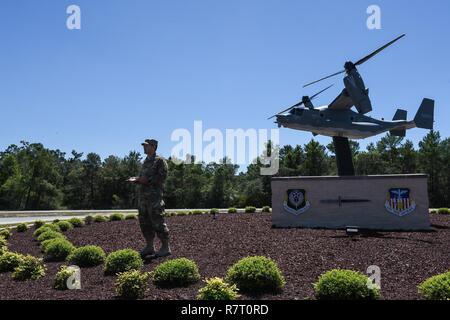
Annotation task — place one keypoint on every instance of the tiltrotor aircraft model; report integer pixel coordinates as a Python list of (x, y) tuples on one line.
[(338, 120)]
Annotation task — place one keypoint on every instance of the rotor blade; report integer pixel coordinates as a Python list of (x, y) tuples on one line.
[(301, 102), (334, 74), (361, 61), (321, 92)]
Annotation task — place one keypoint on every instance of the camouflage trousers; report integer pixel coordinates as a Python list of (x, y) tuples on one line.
[(151, 219)]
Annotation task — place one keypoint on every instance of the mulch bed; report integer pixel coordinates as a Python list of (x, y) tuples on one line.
[(405, 259)]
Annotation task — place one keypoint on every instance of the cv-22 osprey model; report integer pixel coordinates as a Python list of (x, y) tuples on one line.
[(337, 120)]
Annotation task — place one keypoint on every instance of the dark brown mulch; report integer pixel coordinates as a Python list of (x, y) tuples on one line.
[(405, 259)]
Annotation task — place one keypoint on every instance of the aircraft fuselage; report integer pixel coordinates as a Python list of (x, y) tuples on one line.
[(339, 123)]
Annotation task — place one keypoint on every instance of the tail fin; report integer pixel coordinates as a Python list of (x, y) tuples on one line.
[(399, 115), (425, 115)]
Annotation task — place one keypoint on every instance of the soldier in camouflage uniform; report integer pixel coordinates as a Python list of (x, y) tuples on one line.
[(151, 205)]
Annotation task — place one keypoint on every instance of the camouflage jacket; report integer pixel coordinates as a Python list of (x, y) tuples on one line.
[(155, 170)]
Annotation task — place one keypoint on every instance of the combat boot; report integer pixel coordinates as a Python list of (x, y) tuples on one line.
[(149, 250), (165, 249)]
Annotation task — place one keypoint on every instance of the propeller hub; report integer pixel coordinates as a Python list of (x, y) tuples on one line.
[(349, 66)]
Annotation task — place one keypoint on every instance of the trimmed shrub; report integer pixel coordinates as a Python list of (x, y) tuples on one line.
[(22, 227), (57, 249), (436, 287), (176, 273), (250, 209), (38, 224), (443, 211), (29, 268), (131, 217), (87, 256), (433, 212), (56, 221), (266, 209), (3, 245), (214, 211), (132, 284), (256, 275), (197, 212), (338, 284), (116, 217), (218, 289), (100, 219), (45, 228), (62, 276), (88, 219), (50, 235), (76, 222), (183, 213), (64, 225), (9, 261), (5, 233), (232, 210), (123, 260)]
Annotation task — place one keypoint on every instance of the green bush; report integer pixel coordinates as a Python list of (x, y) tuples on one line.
[(232, 210), (62, 276), (56, 221), (218, 289), (250, 209), (443, 211), (5, 233), (29, 268), (256, 275), (132, 284), (9, 261), (338, 284), (76, 222), (64, 225), (183, 213), (436, 287), (50, 235), (130, 217), (100, 219), (87, 256), (433, 211), (123, 260), (197, 212), (176, 273), (88, 219), (45, 228), (266, 209), (38, 224), (57, 249), (22, 227), (117, 217), (3, 245), (214, 211)]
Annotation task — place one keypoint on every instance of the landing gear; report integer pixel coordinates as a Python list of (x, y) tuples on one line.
[(344, 159)]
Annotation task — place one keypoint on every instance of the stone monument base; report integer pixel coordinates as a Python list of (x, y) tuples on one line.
[(384, 202)]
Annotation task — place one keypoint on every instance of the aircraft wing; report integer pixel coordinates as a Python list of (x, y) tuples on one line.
[(342, 101)]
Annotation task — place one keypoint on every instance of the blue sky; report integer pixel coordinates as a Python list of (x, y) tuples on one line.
[(141, 69)]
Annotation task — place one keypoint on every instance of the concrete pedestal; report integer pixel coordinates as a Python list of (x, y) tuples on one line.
[(385, 202)]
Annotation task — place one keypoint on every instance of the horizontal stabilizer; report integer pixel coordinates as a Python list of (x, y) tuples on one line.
[(425, 115)]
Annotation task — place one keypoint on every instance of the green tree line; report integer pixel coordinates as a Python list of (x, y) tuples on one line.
[(33, 177)]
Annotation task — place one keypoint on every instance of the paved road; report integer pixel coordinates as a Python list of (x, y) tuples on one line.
[(15, 217)]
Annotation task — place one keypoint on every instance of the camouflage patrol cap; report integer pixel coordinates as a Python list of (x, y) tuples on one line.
[(150, 142)]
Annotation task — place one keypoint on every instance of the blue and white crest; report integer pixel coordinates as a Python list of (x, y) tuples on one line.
[(399, 202), (295, 201)]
